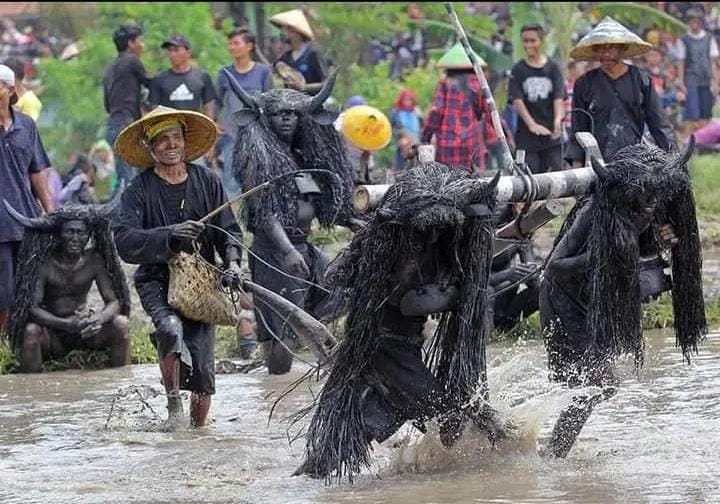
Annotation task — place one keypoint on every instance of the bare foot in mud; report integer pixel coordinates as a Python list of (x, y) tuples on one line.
[(176, 416)]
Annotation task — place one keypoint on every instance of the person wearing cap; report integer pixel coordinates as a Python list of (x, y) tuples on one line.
[(122, 83), (159, 217), (182, 86), (537, 91), (698, 56), (455, 117), (22, 183), (616, 101), (303, 55)]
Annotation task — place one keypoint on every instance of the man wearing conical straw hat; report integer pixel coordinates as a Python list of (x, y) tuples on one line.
[(616, 101), (302, 67), (158, 219)]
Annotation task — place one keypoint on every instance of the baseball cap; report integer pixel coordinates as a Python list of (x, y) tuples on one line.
[(8, 77), (177, 40)]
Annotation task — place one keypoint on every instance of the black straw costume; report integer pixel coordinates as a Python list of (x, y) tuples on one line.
[(423, 238), (40, 241), (594, 281), (592, 310), (292, 200)]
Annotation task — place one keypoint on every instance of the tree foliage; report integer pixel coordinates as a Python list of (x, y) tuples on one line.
[(73, 89), (642, 16)]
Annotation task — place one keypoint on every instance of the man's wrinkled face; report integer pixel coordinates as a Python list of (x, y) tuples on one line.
[(178, 55), (285, 124), (74, 236), (168, 148), (608, 54)]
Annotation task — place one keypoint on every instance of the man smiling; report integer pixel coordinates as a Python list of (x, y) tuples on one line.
[(158, 219)]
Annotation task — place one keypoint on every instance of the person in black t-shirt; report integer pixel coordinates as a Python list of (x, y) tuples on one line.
[(182, 86), (302, 56), (537, 90), (122, 83)]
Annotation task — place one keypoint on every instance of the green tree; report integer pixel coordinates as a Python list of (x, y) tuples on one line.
[(73, 89)]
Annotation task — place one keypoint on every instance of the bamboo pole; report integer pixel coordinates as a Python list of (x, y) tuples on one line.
[(487, 93)]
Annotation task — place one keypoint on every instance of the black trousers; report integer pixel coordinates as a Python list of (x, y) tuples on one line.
[(546, 160)]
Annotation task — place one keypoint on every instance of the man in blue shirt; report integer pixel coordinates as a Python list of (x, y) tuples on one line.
[(22, 161)]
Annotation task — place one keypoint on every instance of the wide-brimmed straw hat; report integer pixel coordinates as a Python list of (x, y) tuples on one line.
[(609, 32), (132, 143), (294, 19), (457, 59)]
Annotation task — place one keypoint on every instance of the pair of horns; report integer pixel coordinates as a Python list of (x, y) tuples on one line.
[(679, 160), (250, 102), (46, 221)]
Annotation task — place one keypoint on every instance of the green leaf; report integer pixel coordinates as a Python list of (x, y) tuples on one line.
[(493, 57), (643, 16)]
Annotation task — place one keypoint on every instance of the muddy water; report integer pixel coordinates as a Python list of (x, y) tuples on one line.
[(657, 441)]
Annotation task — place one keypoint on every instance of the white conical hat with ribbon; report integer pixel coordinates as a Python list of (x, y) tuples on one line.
[(294, 19), (609, 31)]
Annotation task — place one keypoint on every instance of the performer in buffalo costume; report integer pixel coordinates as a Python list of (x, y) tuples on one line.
[(56, 269), (281, 132), (426, 250), (594, 280)]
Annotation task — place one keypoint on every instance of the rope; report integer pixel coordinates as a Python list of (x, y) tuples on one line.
[(235, 300)]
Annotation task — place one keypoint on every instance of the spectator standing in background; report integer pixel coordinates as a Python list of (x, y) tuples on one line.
[(697, 66), (28, 102), (122, 83), (303, 56), (22, 182), (456, 114), (406, 120), (253, 77), (537, 90), (182, 86)]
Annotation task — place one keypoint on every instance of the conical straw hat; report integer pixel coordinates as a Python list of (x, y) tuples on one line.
[(457, 59), (200, 133), (609, 31), (294, 19)]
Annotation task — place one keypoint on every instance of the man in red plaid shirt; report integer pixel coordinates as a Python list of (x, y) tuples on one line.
[(455, 117)]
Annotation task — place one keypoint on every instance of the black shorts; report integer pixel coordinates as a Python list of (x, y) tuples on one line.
[(197, 347)]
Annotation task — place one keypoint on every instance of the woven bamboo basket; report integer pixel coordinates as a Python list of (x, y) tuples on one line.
[(196, 291)]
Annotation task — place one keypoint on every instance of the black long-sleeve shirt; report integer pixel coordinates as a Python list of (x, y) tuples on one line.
[(143, 230), (620, 109), (121, 88)]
